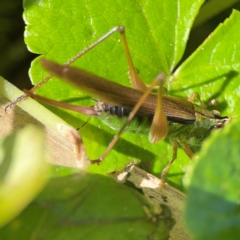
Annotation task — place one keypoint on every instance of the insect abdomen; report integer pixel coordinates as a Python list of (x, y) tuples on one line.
[(116, 116)]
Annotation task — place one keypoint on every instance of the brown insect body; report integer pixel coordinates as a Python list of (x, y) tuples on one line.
[(188, 124)]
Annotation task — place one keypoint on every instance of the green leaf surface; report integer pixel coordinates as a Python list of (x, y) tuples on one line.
[(23, 172), (89, 206), (157, 32), (212, 207), (213, 69), (212, 8)]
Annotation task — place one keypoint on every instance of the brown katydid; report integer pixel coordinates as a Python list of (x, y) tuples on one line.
[(179, 120)]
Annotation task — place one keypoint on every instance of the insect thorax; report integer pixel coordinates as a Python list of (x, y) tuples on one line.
[(195, 133)]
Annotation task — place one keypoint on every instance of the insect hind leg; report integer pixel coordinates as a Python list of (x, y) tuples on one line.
[(135, 79)]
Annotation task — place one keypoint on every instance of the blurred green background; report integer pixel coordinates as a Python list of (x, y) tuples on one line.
[(15, 59)]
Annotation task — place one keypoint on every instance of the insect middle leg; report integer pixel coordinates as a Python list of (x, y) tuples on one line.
[(174, 156), (186, 149)]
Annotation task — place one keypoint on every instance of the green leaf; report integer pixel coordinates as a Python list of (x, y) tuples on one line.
[(23, 173), (212, 207), (157, 32), (212, 8), (155, 45), (213, 69), (89, 206)]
